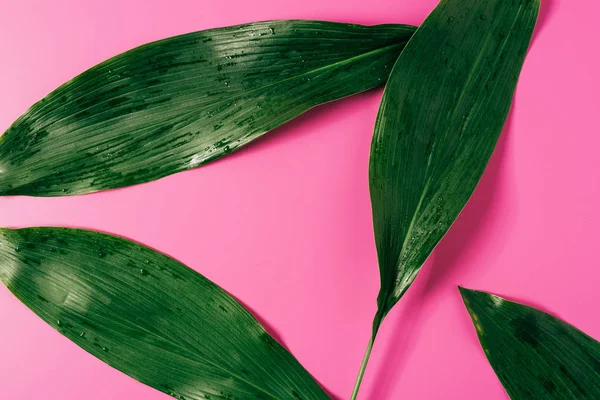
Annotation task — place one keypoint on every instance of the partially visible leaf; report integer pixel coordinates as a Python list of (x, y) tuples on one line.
[(148, 316), (182, 102), (535, 355), (442, 111)]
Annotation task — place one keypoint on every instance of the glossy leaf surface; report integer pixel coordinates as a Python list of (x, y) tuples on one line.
[(182, 102), (148, 316), (443, 109), (535, 355)]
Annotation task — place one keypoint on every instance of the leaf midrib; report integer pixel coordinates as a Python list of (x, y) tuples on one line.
[(238, 96), (478, 61), (233, 97)]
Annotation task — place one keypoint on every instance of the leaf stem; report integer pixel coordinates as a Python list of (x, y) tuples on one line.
[(376, 323), (363, 367)]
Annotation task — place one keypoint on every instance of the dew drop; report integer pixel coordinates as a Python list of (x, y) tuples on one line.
[(143, 272), (272, 31), (17, 248), (105, 349), (58, 323), (82, 334)]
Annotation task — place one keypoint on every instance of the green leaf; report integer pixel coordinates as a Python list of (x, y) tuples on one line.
[(148, 316), (442, 111), (182, 102), (535, 355)]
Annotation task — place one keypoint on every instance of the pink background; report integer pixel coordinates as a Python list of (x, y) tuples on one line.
[(285, 225)]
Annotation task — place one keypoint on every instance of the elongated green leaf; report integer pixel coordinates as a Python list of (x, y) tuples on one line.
[(442, 112), (535, 355), (182, 102), (148, 316)]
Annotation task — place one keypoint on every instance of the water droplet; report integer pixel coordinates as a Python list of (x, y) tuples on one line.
[(104, 349), (58, 323), (226, 83), (82, 334), (272, 31), (17, 248), (143, 272)]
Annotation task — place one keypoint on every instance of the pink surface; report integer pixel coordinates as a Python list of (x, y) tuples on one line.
[(285, 225)]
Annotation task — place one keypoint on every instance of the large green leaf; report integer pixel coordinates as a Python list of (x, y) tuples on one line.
[(181, 102), (535, 355), (148, 316), (442, 111)]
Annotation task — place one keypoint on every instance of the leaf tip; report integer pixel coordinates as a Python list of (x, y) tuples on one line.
[(470, 299), (467, 294)]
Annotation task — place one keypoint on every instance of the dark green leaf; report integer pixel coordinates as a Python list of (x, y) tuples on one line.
[(535, 355), (148, 316), (442, 112), (182, 102)]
